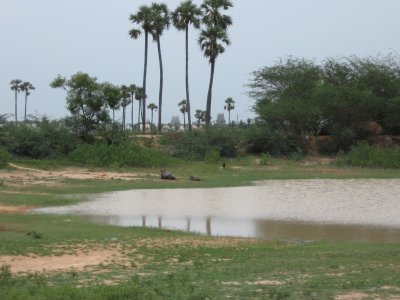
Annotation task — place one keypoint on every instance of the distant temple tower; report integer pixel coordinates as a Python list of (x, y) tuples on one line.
[(175, 122), (220, 119)]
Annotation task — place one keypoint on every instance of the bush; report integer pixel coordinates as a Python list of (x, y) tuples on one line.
[(199, 143), (4, 157), (126, 154), (365, 155)]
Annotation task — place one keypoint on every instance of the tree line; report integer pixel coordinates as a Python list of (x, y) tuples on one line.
[(340, 97)]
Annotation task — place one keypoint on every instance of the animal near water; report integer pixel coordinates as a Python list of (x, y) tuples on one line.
[(166, 175)]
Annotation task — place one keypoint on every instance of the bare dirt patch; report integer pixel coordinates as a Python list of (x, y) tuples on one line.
[(77, 262), (23, 176), (13, 209)]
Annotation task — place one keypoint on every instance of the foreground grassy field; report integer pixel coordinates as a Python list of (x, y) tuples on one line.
[(64, 257)]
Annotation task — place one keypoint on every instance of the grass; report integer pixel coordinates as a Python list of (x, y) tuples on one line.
[(162, 264)]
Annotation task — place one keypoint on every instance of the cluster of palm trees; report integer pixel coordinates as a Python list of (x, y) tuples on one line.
[(156, 18), (18, 86)]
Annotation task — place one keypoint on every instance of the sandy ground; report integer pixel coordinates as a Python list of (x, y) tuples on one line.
[(22, 176)]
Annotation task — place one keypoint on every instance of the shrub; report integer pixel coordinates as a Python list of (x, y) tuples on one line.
[(126, 154), (365, 155), (4, 157)]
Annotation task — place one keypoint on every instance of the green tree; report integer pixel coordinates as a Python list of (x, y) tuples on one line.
[(185, 14), (125, 101), (112, 96), (213, 39), (229, 105), (161, 21), (143, 18), (200, 115), (152, 107), (183, 109), (26, 87), (16, 87), (284, 96), (85, 103)]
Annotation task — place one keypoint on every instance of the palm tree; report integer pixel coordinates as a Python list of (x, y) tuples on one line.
[(132, 92), (230, 105), (211, 42), (112, 96), (16, 87), (187, 13), (212, 13), (160, 22), (26, 87), (143, 18), (213, 38), (139, 96), (125, 101), (152, 107), (200, 116), (183, 109)]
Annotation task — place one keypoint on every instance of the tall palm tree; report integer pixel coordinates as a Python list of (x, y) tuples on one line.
[(183, 108), (143, 18), (211, 42), (132, 92), (230, 105), (212, 13), (16, 87), (160, 23), (26, 87), (213, 38), (125, 101), (112, 96), (139, 96), (185, 14), (152, 107)]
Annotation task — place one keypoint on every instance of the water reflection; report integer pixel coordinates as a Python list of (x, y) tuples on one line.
[(346, 210)]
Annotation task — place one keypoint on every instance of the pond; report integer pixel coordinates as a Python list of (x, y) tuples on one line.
[(344, 210)]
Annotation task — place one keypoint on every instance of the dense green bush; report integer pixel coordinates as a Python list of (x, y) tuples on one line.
[(365, 155), (199, 143), (4, 157), (126, 154), (38, 139)]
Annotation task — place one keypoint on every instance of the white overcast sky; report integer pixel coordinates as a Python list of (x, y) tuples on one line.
[(42, 38)]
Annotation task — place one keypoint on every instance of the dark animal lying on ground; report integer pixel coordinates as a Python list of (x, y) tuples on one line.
[(167, 175), (194, 178)]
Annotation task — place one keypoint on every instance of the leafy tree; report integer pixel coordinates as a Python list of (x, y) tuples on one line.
[(284, 96), (183, 109), (16, 87), (143, 18), (85, 103), (112, 96), (152, 107), (26, 87), (161, 21), (200, 116), (125, 101), (213, 38), (185, 14), (229, 105)]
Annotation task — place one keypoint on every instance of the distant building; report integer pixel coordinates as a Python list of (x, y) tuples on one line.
[(175, 122), (220, 119)]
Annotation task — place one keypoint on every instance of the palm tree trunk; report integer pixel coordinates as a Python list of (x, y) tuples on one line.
[(229, 117), (113, 114), (184, 122), (26, 103), (132, 111), (16, 107), (139, 113), (151, 126), (209, 96), (144, 82), (187, 79), (160, 93), (123, 118)]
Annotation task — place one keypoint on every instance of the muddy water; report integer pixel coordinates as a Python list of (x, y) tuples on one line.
[(351, 210)]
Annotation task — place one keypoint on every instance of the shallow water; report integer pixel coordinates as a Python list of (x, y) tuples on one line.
[(351, 210)]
